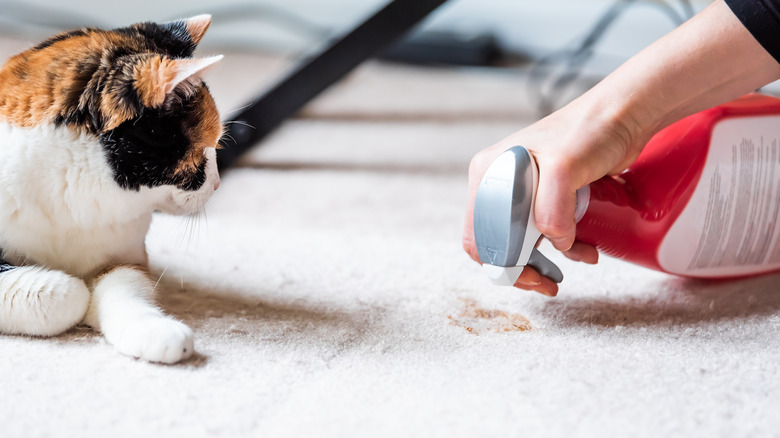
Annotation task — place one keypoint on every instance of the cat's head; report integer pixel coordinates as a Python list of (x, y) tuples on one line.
[(139, 91)]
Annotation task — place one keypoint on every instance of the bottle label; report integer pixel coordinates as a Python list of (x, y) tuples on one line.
[(729, 226)]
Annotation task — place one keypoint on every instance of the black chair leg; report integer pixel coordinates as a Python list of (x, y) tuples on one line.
[(310, 78)]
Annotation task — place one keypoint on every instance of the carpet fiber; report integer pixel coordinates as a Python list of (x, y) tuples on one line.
[(330, 297)]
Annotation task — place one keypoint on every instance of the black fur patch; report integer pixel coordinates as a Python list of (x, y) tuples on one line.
[(4, 265), (82, 103), (146, 150), (72, 111), (63, 36), (122, 86), (172, 38), (20, 72)]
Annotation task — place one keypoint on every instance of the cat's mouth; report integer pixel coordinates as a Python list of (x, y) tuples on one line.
[(180, 202)]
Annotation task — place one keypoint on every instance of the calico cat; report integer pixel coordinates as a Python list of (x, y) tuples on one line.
[(99, 129)]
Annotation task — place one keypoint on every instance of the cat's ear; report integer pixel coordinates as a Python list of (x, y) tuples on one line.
[(195, 26), (156, 77)]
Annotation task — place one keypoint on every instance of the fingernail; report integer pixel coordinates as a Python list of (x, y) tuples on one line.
[(561, 244), (529, 278), (528, 282)]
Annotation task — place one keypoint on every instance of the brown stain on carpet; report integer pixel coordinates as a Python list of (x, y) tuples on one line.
[(475, 319)]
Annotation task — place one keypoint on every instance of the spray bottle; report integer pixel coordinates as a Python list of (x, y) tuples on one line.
[(702, 200)]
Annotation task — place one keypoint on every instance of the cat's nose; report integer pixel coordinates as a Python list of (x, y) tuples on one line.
[(216, 185)]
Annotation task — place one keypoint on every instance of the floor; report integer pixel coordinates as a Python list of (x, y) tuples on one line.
[(330, 297)]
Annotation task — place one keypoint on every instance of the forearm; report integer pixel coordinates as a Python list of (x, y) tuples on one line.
[(707, 61)]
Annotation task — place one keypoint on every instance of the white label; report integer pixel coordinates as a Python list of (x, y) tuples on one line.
[(729, 226)]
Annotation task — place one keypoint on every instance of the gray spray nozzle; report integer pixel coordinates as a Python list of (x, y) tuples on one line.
[(504, 228)]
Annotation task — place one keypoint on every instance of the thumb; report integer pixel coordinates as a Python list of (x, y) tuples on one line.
[(556, 198)]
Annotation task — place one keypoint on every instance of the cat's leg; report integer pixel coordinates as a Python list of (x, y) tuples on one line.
[(122, 309), (39, 301)]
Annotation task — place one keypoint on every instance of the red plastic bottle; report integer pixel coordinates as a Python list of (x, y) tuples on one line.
[(703, 198)]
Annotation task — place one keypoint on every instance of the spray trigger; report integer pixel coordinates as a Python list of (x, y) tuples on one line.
[(544, 266)]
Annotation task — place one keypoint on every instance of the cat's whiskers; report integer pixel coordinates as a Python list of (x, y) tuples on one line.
[(186, 235), (181, 230), (206, 207), (182, 234), (227, 136), (239, 122), (193, 230), (227, 133), (235, 111), (161, 276)]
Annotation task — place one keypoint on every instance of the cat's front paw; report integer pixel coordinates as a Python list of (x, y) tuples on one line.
[(40, 302), (157, 339)]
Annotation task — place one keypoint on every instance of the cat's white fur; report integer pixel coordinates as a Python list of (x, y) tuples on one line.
[(79, 239)]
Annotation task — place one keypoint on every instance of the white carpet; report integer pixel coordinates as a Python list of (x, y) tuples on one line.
[(330, 297)]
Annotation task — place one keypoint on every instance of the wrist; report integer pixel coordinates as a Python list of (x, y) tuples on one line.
[(619, 120)]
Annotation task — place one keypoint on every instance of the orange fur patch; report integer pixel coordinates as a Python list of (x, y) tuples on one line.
[(36, 84), (152, 76), (206, 132)]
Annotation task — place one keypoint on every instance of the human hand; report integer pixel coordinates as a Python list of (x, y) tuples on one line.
[(572, 147), (602, 132)]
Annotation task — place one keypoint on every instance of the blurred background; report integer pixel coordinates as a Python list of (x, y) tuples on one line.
[(528, 27), (567, 39)]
